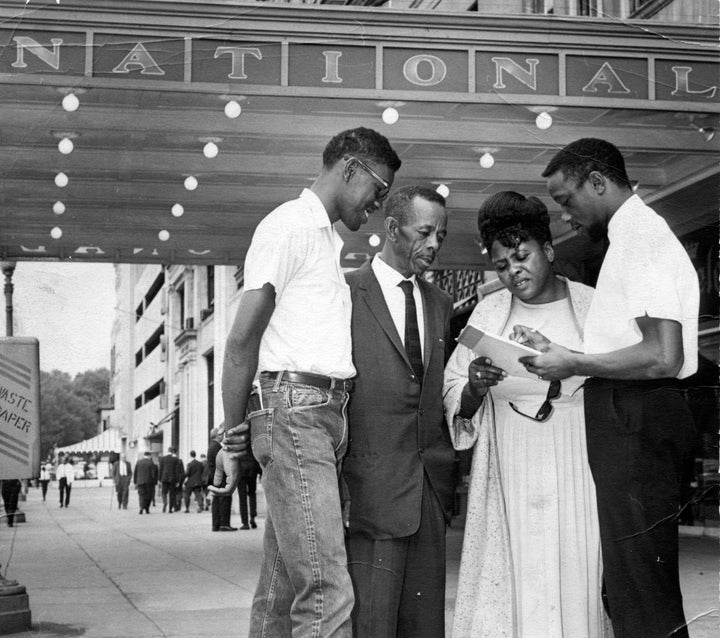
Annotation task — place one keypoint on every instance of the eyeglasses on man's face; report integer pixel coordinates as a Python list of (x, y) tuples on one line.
[(382, 193), (546, 409)]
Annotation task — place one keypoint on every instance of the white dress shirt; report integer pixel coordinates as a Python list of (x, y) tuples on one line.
[(297, 250), (646, 271), (389, 280)]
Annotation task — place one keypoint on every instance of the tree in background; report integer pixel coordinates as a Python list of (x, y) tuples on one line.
[(69, 407)]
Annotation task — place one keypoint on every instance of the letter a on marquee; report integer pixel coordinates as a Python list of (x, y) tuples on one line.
[(139, 58)]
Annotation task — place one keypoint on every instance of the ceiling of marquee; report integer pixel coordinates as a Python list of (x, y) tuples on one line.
[(133, 148)]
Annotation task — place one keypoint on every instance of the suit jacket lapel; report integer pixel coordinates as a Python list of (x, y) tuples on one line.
[(375, 300), (433, 324)]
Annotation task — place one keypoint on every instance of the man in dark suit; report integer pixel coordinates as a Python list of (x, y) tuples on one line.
[(121, 474), (221, 504), (145, 477), (172, 473), (399, 470), (193, 482)]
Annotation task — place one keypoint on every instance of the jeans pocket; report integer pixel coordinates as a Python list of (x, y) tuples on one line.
[(261, 433), (306, 396)]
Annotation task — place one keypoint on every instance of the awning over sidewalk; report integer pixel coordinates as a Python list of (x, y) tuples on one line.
[(108, 441)]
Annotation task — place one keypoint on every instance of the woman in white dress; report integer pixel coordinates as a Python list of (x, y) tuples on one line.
[(531, 565)]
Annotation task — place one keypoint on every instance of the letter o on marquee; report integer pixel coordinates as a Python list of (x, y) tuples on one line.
[(412, 68)]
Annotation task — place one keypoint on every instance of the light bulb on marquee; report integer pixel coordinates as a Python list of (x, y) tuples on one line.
[(210, 150), (390, 115), (191, 183), (70, 102), (66, 146), (233, 109), (374, 240), (56, 232), (61, 180), (443, 190), (58, 208), (487, 160), (163, 235), (177, 210), (543, 120)]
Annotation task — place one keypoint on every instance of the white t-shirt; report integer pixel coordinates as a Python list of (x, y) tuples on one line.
[(389, 280), (646, 271), (297, 250)]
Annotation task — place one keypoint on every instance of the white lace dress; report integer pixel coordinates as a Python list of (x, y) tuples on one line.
[(531, 564)]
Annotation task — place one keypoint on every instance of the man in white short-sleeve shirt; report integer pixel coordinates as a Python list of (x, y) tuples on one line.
[(292, 334), (640, 338)]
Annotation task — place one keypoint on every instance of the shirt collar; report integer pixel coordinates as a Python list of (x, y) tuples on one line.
[(318, 214), (387, 275), (623, 214)]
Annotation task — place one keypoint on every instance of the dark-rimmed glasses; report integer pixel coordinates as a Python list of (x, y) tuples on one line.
[(382, 193), (546, 409)]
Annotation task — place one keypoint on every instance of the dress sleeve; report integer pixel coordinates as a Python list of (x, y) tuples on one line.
[(463, 432)]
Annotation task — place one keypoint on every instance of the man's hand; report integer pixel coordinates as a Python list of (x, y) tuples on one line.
[(236, 440), (556, 362), (530, 338)]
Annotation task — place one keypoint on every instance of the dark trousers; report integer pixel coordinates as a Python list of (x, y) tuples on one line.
[(123, 493), (220, 510), (197, 491), (399, 583), (44, 486), (10, 494), (638, 433), (170, 496), (247, 490), (145, 496), (65, 488)]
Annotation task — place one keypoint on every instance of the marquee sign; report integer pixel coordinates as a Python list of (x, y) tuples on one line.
[(283, 63)]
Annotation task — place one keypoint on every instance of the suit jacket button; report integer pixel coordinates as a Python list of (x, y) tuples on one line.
[(420, 451), (421, 411)]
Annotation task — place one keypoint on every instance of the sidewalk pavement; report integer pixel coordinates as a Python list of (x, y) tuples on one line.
[(95, 571)]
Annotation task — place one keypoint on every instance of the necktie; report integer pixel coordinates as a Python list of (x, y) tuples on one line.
[(412, 334)]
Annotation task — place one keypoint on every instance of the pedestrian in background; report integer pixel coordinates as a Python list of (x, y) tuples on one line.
[(221, 504), (247, 489), (121, 475), (205, 482), (45, 476), (10, 493), (65, 475), (193, 483), (145, 478), (172, 473)]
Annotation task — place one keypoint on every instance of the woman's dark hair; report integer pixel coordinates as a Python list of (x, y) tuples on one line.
[(511, 218)]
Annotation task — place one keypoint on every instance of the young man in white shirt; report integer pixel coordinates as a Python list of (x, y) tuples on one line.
[(292, 330), (640, 338)]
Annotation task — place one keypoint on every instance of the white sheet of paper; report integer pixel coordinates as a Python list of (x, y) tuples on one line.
[(503, 352)]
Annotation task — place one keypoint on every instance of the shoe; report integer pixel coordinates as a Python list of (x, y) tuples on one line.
[(245, 527), (141, 511), (164, 508), (60, 504), (227, 528), (215, 529), (253, 524), (187, 511)]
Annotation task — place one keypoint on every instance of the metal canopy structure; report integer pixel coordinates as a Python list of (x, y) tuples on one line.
[(152, 80)]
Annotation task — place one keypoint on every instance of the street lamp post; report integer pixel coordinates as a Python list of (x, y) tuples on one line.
[(8, 268)]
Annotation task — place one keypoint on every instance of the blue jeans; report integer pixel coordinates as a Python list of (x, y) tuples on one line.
[(299, 437)]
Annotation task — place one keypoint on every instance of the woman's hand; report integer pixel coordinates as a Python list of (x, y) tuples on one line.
[(530, 337), (482, 375)]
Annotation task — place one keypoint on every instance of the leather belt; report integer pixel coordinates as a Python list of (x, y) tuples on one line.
[(307, 378)]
